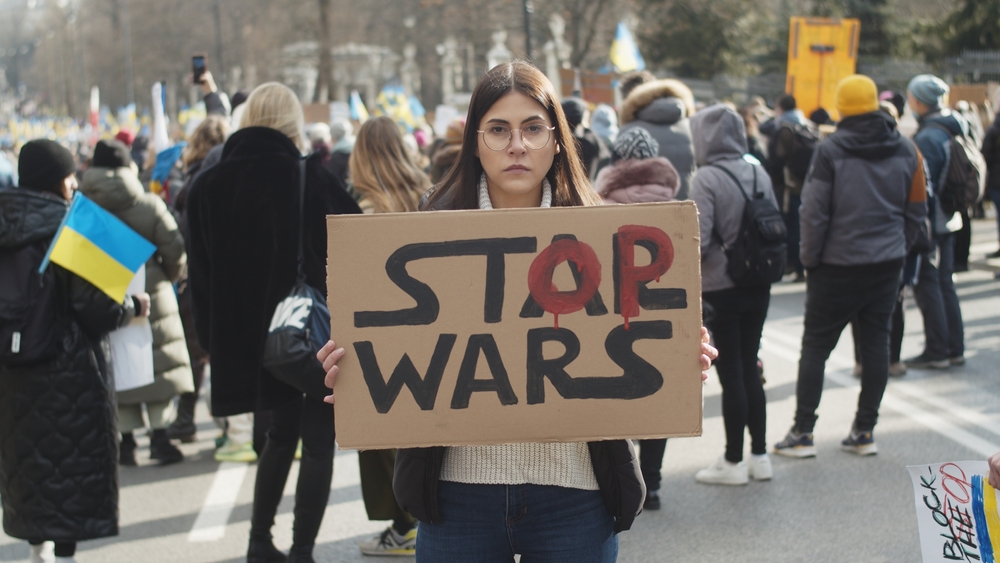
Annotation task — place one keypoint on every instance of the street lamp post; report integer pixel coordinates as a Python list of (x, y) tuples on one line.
[(528, 9)]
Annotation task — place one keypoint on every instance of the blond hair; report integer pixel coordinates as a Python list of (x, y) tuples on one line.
[(382, 169), (213, 131), (275, 106)]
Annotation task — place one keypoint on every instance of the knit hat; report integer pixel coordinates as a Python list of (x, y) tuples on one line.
[(111, 154), (574, 108), (126, 137), (856, 94), (928, 89), (44, 163), (636, 143)]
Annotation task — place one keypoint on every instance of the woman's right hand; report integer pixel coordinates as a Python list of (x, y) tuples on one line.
[(329, 355)]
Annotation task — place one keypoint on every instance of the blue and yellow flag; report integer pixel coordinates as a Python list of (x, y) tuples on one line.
[(358, 110), (98, 247), (624, 52)]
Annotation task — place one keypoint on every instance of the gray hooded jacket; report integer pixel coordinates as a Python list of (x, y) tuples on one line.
[(720, 140)]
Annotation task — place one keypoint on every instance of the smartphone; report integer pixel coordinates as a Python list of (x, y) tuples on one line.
[(199, 63)]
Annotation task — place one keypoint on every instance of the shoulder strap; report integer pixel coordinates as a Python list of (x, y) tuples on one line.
[(302, 204), (737, 182)]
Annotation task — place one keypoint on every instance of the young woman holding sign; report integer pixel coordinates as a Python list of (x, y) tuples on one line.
[(547, 502)]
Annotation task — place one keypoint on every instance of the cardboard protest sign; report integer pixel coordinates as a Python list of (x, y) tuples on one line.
[(516, 325), (956, 512)]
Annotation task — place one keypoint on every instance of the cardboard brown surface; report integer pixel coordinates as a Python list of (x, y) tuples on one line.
[(494, 325)]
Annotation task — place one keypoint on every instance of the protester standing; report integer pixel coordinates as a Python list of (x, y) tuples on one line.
[(388, 181), (112, 183), (568, 500), (991, 153), (944, 334), (862, 206), (243, 223), (58, 431), (734, 314)]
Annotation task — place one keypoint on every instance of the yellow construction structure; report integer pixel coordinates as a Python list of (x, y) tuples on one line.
[(821, 51)]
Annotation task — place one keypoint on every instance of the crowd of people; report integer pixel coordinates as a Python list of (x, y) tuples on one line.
[(242, 219)]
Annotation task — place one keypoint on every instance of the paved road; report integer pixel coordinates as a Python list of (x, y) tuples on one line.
[(834, 508)]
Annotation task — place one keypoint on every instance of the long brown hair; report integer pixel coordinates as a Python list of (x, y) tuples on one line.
[(382, 169), (569, 180), (213, 131)]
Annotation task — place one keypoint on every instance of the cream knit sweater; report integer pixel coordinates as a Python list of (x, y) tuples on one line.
[(560, 464)]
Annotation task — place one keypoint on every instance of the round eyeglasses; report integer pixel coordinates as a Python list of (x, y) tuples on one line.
[(534, 136)]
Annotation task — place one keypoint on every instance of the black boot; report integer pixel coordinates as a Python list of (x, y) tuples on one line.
[(262, 550), (272, 472), (126, 454), (161, 449), (183, 427), (300, 554)]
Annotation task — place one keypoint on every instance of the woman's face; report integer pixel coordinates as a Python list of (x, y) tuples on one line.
[(514, 175)]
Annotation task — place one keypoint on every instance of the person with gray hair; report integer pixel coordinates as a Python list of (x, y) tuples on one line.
[(935, 289), (342, 143)]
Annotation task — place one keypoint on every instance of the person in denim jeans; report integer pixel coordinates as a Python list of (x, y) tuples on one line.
[(935, 289), (549, 502), (862, 206)]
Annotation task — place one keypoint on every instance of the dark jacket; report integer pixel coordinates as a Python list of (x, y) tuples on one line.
[(991, 153), (865, 197), (662, 107), (933, 138), (243, 217), (616, 467), (58, 426)]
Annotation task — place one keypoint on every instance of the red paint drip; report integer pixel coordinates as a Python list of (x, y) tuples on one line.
[(657, 279), (626, 321), (556, 316)]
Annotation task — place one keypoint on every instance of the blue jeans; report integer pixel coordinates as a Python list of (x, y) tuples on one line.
[(545, 524), (834, 296), (944, 334)]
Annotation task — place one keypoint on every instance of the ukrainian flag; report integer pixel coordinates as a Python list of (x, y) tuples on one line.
[(624, 52), (358, 110), (98, 247)]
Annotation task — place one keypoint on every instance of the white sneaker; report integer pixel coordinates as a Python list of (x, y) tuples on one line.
[(723, 473), (43, 553), (759, 467)]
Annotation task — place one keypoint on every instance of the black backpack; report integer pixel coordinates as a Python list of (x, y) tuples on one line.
[(31, 316), (804, 143), (757, 257), (965, 181)]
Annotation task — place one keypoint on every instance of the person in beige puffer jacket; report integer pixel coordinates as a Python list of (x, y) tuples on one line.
[(112, 183)]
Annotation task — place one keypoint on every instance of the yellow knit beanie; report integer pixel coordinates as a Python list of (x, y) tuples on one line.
[(856, 94)]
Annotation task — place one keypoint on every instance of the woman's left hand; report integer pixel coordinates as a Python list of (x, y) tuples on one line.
[(708, 353)]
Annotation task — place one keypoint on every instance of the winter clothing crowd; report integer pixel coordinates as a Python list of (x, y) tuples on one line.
[(859, 201)]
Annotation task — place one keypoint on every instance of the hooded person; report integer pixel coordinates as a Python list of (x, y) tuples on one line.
[(663, 107), (733, 314), (58, 431), (112, 183), (638, 175)]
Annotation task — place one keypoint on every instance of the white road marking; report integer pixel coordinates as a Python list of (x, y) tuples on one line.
[(211, 522), (789, 348)]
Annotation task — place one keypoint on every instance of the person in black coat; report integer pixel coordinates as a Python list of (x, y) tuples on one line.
[(243, 232), (58, 427)]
